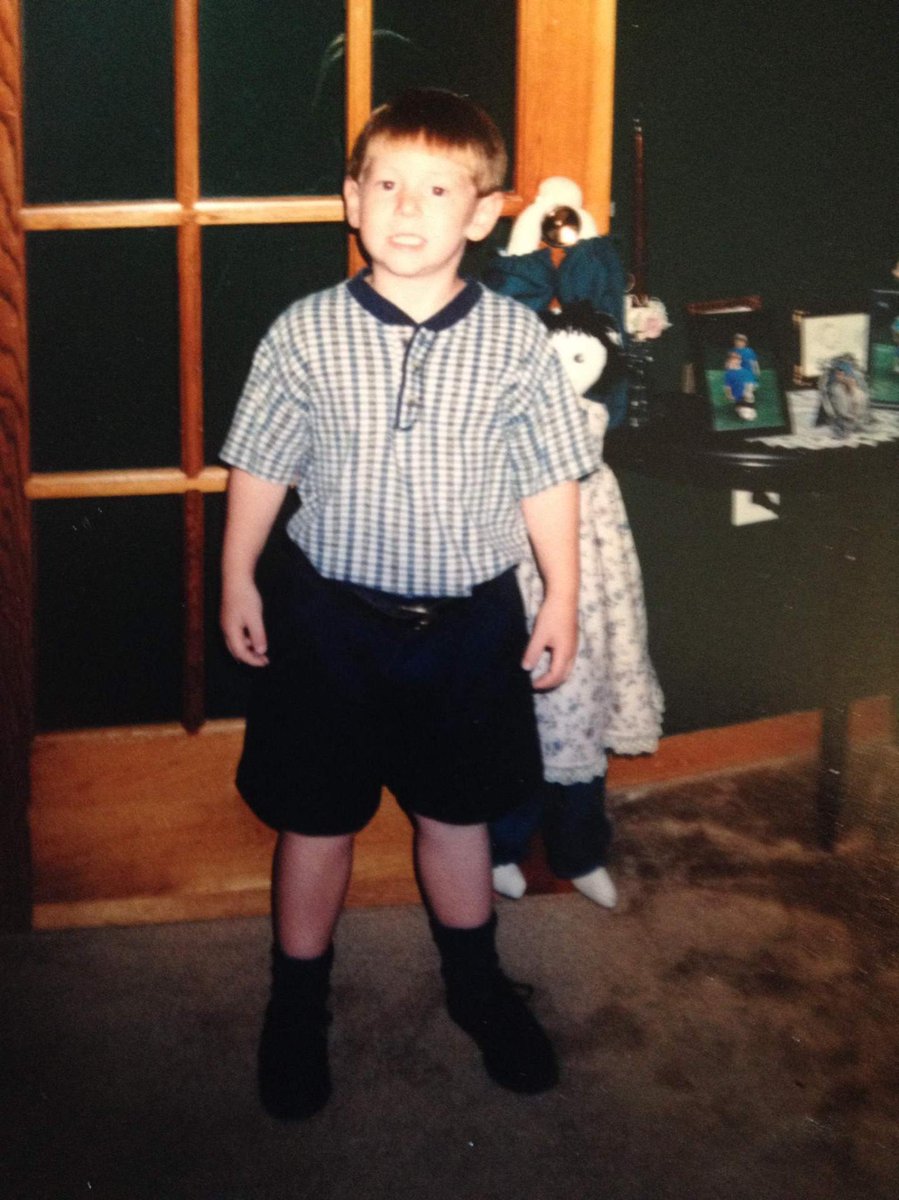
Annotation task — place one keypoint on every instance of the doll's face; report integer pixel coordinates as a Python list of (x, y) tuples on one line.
[(583, 357)]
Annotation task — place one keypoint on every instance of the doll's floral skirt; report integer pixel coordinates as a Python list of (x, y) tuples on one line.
[(612, 699)]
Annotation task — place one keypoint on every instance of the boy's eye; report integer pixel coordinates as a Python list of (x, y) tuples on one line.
[(438, 191), (386, 185)]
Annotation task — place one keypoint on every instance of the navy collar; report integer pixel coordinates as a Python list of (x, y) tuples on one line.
[(460, 306)]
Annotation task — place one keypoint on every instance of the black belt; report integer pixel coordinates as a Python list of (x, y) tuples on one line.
[(418, 611)]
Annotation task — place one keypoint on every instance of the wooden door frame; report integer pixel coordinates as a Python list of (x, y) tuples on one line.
[(565, 68), (16, 627)]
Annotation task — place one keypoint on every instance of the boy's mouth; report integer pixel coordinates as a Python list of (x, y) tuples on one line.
[(407, 240)]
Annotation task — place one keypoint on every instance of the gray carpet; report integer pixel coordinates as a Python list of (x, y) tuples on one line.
[(729, 1032)]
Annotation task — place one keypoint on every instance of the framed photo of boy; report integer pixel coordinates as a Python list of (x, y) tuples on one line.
[(737, 370), (883, 349)]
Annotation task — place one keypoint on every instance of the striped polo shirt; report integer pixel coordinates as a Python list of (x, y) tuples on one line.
[(411, 445)]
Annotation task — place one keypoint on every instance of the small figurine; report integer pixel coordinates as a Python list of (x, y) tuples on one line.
[(845, 400), (749, 360), (739, 385)]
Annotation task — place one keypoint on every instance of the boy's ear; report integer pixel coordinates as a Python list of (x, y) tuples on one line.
[(486, 214), (351, 201)]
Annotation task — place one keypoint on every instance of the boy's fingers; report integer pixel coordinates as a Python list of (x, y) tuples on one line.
[(247, 643), (256, 639), (544, 682), (534, 650), (556, 674), (246, 654), (255, 644), (559, 668)]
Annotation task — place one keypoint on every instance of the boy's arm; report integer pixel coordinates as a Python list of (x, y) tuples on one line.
[(552, 518), (253, 505)]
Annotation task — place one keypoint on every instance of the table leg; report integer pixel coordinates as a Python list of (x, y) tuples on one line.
[(834, 738), (853, 553), (839, 647)]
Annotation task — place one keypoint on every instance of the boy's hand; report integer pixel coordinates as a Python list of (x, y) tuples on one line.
[(253, 505), (242, 624), (555, 633), (551, 518)]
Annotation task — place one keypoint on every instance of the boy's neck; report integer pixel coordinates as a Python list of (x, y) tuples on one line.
[(419, 299)]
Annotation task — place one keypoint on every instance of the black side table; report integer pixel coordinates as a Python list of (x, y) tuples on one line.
[(675, 444)]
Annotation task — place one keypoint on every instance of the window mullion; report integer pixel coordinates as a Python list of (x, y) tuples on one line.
[(190, 306)]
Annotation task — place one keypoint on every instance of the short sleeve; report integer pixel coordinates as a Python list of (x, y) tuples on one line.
[(269, 435), (549, 438)]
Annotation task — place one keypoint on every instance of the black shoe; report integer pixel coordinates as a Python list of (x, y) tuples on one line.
[(293, 1071), (294, 1075), (517, 1053)]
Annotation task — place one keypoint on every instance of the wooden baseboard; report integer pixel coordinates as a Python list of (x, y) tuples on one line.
[(686, 755), (141, 825)]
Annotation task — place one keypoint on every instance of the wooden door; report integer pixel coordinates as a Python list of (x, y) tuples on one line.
[(112, 539)]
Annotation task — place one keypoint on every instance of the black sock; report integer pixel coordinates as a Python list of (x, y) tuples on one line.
[(293, 1072)]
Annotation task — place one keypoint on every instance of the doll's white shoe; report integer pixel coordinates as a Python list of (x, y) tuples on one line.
[(509, 881), (597, 886)]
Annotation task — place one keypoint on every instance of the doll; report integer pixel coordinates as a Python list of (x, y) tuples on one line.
[(612, 698), (845, 399)]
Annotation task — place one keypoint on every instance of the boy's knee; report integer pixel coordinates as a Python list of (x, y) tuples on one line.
[(443, 831), (312, 847)]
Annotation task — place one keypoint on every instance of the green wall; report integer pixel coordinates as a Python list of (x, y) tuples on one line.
[(771, 168)]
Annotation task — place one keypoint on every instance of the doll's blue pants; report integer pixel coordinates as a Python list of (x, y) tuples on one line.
[(577, 831)]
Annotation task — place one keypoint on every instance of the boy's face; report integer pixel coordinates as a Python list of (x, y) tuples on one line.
[(415, 207)]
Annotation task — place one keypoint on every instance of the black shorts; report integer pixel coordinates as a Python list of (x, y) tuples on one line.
[(355, 699)]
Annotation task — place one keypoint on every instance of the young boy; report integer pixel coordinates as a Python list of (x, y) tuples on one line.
[(429, 429), (748, 357), (739, 386)]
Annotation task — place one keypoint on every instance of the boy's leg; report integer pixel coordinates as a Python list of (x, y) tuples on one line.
[(454, 871), (309, 881), (453, 864), (310, 876)]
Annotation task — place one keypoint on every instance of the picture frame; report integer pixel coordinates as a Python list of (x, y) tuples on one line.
[(699, 308), (702, 308), (820, 337), (883, 348), (737, 368)]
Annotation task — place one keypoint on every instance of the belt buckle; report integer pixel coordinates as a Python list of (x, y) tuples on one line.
[(420, 614)]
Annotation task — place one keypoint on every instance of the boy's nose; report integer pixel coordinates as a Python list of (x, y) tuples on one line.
[(407, 201)]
